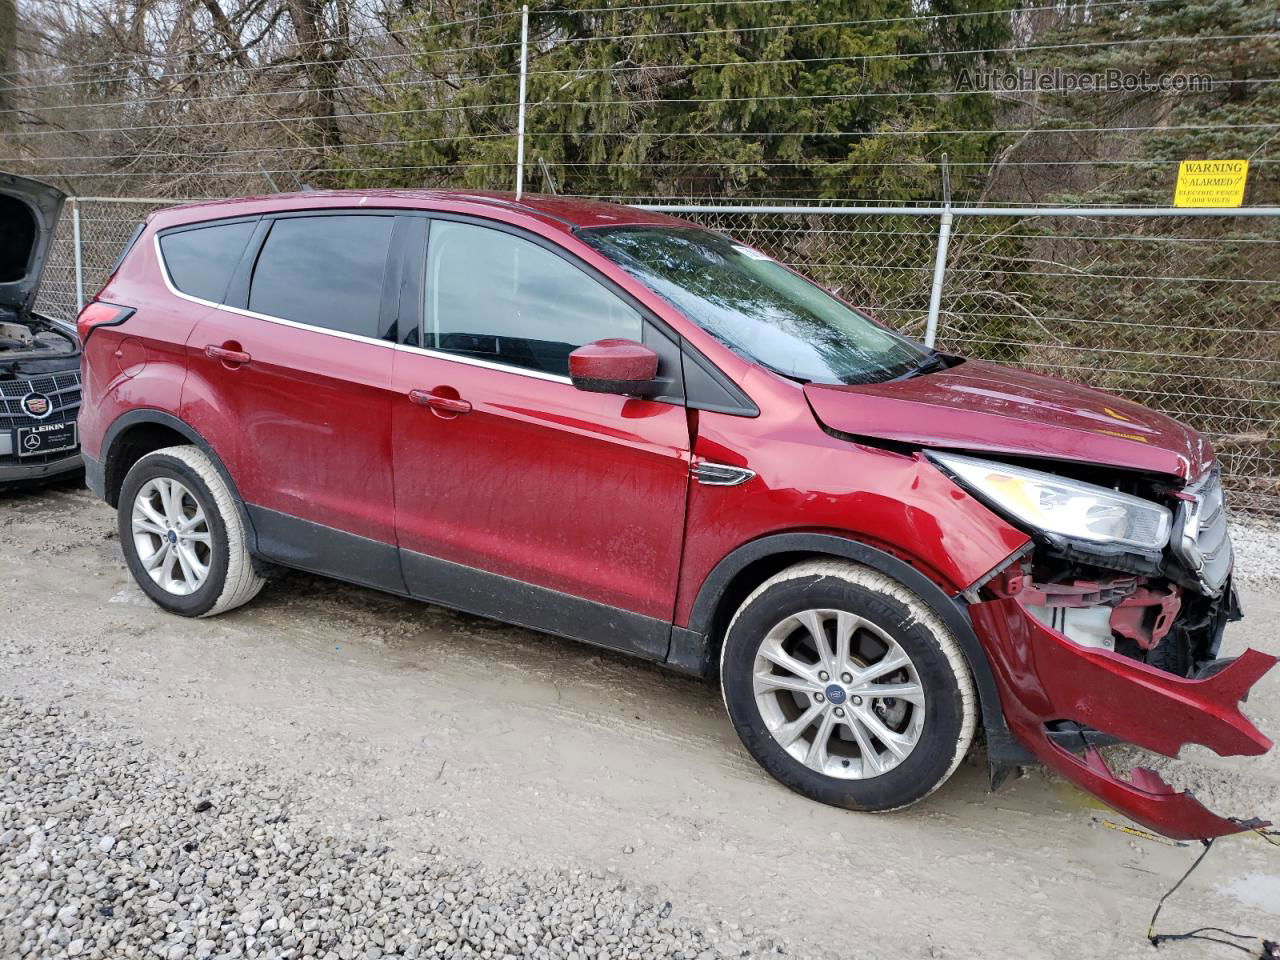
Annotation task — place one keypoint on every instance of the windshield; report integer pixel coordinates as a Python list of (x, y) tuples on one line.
[(757, 307)]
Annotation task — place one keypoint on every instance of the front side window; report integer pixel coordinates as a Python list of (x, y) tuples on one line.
[(324, 272), (497, 297), (757, 307), (201, 261)]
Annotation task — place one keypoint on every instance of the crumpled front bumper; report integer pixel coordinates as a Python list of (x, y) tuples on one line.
[(1043, 678)]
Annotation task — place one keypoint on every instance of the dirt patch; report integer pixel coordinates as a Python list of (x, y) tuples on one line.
[(425, 728)]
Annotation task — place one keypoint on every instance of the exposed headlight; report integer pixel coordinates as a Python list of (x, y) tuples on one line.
[(1081, 511)]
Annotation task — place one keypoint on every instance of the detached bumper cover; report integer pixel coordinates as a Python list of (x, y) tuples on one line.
[(1044, 677)]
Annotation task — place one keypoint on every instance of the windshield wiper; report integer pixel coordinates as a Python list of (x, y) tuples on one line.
[(930, 364)]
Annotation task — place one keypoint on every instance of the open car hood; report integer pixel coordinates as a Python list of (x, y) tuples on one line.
[(987, 408), (29, 212)]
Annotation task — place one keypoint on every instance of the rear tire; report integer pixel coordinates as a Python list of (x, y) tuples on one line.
[(875, 721), (182, 534)]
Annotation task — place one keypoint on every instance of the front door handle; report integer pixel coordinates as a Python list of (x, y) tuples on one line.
[(234, 358), (437, 402)]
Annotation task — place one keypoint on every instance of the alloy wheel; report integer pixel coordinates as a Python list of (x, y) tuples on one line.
[(171, 535), (839, 694)]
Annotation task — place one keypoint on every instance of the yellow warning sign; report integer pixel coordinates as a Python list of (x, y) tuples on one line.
[(1211, 183)]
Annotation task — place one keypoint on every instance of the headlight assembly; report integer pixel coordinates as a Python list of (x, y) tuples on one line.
[(1055, 505)]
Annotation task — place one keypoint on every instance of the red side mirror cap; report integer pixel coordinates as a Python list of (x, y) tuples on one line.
[(613, 366)]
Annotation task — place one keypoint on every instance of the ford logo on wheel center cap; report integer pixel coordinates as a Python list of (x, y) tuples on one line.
[(835, 693), (37, 405)]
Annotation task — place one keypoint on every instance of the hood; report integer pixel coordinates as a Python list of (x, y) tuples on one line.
[(29, 212), (986, 408)]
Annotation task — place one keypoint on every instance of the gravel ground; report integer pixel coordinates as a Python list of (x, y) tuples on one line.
[(491, 782), (107, 850), (1257, 547)]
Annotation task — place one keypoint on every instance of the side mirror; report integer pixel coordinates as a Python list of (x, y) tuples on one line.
[(613, 366)]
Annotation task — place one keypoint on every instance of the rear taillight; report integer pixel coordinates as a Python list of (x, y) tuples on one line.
[(99, 314)]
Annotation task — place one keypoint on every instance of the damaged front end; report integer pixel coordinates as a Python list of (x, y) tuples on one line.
[(1108, 628)]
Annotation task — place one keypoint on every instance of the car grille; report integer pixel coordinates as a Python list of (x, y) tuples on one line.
[(1207, 547), (62, 389)]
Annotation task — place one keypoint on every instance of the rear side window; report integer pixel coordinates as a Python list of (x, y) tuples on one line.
[(201, 261), (324, 272)]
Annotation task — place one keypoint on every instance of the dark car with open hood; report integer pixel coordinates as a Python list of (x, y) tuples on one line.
[(618, 427), (39, 356)]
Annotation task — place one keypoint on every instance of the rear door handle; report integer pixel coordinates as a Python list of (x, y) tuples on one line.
[(233, 357), (436, 402)]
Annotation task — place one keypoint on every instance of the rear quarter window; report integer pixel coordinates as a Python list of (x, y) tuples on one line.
[(201, 261)]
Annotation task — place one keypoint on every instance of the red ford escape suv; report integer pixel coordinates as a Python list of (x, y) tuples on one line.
[(618, 427)]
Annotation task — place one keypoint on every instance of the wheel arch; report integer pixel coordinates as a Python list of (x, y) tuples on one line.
[(695, 648), (133, 435)]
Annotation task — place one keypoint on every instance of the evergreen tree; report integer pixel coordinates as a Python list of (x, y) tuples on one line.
[(1159, 309), (824, 99), (1178, 41)]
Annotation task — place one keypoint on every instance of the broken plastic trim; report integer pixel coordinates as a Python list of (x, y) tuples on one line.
[(972, 592), (1125, 559), (1044, 677)]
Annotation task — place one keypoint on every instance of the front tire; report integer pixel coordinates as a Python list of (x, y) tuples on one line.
[(182, 534), (846, 687)]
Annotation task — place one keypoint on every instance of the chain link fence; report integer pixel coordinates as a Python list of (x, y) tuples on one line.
[(99, 228), (1181, 314)]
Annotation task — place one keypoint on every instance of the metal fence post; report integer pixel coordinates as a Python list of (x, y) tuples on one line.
[(939, 274), (940, 263), (79, 253), (524, 73)]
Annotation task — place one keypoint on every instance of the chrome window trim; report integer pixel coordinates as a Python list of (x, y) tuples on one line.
[(340, 334), (236, 311), (487, 364)]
